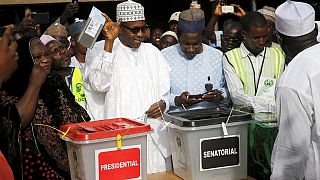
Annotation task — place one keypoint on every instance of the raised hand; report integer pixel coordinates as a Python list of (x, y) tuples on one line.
[(27, 22), (218, 10), (238, 11), (70, 10), (110, 29), (8, 55)]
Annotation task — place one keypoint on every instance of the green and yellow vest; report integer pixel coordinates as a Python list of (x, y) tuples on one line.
[(273, 67)]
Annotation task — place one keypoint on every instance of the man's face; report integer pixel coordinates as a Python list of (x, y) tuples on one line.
[(191, 44), (255, 40), (40, 52), (132, 33), (173, 26), (231, 39), (61, 57), (155, 36), (167, 41)]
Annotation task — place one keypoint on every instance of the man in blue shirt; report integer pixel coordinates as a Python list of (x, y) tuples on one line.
[(197, 79)]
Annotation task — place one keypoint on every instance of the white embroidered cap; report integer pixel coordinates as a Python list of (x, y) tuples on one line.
[(170, 33), (130, 11), (46, 38), (268, 13), (295, 18)]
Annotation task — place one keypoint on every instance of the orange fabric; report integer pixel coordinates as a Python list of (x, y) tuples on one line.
[(5, 170)]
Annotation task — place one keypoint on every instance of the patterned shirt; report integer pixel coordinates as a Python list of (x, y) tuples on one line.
[(192, 75)]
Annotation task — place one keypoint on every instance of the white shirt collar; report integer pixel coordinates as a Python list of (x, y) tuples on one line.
[(245, 52)]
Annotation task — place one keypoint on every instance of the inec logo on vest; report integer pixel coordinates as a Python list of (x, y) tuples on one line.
[(78, 87), (268, 83)]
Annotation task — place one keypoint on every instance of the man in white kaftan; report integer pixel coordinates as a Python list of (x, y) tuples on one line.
[(134, 79), (134, 76), (296, 153)]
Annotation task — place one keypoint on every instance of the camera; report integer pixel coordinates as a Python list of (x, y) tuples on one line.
[(41, 18), (227, 9)]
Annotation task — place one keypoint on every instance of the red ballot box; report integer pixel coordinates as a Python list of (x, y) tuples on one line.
[(112, 149)]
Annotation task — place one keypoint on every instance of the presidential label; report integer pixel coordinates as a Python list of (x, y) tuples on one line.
[(219, 152), (115, 164)]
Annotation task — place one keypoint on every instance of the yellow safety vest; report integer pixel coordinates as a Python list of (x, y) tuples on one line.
[(273, 67), (77, 86)]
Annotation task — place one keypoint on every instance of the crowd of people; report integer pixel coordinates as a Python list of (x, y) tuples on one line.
[(263, 61)]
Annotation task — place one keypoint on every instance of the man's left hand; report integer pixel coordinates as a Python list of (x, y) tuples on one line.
[(156, 109), (213, 96)]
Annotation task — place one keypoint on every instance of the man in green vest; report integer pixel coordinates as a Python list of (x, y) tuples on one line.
[(253, 69), (77, 64), (251, 72)]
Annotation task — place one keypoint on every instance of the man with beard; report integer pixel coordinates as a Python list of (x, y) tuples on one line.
[(134, 75), (61, 58), (296, 151), (252, 69), (194, 67)]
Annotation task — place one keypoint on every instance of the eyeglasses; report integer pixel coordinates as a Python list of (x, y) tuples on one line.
[(231, 39), (136, 30), (58, 49), (46, 54)]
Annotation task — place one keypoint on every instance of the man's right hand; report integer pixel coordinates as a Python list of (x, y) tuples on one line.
[(183, 99), (70, 10), (27, 22), (40, 70), (8, 55)]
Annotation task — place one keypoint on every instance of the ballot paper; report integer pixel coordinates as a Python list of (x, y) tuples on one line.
[(92, 28)]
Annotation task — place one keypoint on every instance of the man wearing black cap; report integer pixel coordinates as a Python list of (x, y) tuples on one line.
[(196, 74), (296, 152)]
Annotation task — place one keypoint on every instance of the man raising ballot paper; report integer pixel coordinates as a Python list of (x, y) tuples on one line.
[(134, 75)]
